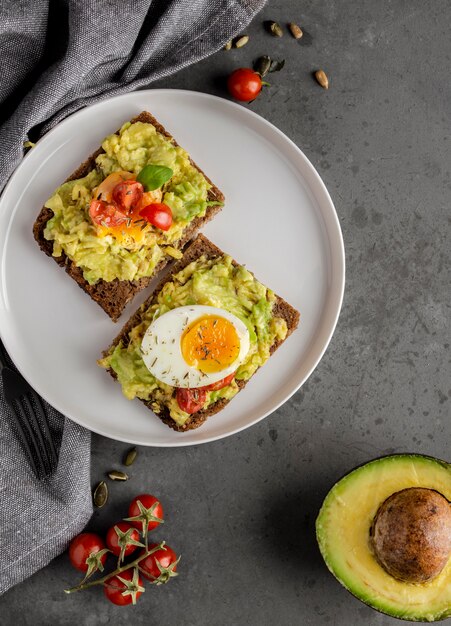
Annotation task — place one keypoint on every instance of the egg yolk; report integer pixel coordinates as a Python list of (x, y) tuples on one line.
[(210, 344)]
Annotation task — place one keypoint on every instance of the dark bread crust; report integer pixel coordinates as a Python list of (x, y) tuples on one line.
[(113, 296), (200, 246)]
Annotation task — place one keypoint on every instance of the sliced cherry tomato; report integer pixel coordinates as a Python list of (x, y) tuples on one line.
[(127, 194), (244, 84), (106, 214), (220, 383), (167, 559), (152, 505), (82, 546), (113, 541), (114, 588), (191, 400), (158, 214)]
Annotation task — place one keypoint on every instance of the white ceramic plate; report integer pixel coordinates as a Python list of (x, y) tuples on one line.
[(279, 220)]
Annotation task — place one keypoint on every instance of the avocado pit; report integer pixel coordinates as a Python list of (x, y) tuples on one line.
[(411, 534)]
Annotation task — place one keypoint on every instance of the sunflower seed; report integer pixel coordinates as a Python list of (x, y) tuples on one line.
[(262, 65), (100, 495), (130, 457), (241, 41), (117, 475), (322, 79), (295, 30)]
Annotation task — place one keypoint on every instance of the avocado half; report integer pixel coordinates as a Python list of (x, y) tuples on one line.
[(345, 528)]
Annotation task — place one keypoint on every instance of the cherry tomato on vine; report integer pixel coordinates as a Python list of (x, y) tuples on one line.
[(158, 214), (114, 588), (127, 194), (191, 400), (244, 84), (82, 546), (112, 538), (148, 502), (167, 559)]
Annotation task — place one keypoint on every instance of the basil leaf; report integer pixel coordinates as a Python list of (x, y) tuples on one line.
[(154, 176)]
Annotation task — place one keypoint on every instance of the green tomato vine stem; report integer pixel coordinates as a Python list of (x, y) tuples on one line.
[(118, 570)]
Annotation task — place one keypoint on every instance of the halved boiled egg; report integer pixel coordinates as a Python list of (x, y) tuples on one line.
[(194, 346)]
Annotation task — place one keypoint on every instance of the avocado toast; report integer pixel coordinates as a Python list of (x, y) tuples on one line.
[(108, 263), (203, 276)]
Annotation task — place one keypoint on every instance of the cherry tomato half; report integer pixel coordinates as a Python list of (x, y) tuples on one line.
[(127, 194), (112, 538), (244, 84), (166, 557), (220, 383), (82, 546), (147, 501), (191, 400), (106, 214), (113, 589), (158, 214)]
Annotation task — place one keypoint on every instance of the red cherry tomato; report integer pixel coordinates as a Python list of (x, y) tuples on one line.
[(127, 194), (191, 400), (106, 214), (112, 538), (113, 588), (244, 84), (165, 557), (158, 214), (220, 384), (82, 546), (147, 501)]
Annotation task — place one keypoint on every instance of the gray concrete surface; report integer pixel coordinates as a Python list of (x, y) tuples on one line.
[(241, 511)]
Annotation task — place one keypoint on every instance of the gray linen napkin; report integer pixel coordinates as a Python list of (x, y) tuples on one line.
[(57, 57)]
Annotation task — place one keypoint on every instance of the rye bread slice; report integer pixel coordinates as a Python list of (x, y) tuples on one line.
[(113, 296), (200, 246)]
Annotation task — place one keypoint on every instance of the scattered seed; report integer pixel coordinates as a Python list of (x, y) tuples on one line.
[(228, 45), (241, 41), (276, 66), (130, 457), (322, 79), (117, 475), (274, 29), (100, 495), (295, 30), (262, 65)]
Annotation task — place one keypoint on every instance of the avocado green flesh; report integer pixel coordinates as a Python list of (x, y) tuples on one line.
[(343, 527), (214, 282), (104, 257)]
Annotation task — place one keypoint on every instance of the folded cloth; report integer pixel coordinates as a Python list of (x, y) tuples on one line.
[(60, 56), (38, 518), (56, 58)]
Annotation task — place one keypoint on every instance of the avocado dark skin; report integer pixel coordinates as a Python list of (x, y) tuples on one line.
[(411, 534)]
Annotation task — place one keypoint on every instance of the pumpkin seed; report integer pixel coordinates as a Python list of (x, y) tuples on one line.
[(276, 66), (295, 30), (117, 475), (100, 495), (262, 65), (274, 29), (130, 457), (241, 41), (228, 45), (322, 79)]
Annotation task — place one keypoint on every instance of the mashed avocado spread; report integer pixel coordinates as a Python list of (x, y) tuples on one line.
[(105, 257), (214, 282)]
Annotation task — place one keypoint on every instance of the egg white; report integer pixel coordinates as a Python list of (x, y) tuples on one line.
[(161, 347)]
